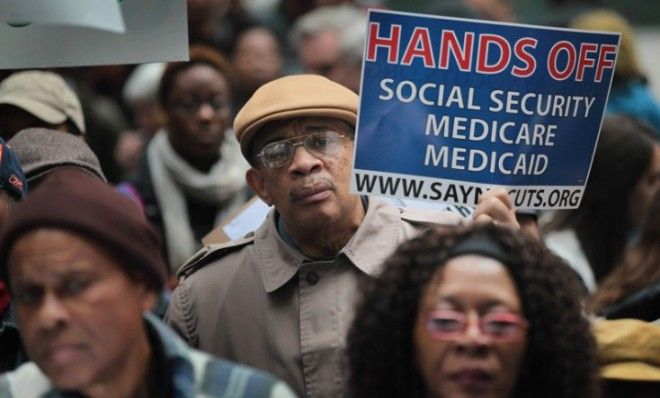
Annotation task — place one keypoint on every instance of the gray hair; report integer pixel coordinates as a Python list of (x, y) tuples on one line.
[(348, 21), (142, 84)]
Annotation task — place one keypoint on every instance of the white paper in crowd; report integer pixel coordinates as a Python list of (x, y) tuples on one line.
[(97, 14), (251, 217), (154, 31), (246, 221)]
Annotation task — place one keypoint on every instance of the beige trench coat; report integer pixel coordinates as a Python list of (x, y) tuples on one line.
[(260, 302)]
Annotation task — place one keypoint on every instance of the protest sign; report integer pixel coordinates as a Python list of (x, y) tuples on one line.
[(48, 33), (450, 108)]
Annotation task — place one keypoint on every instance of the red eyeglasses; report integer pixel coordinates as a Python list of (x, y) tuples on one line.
[(499, 326)]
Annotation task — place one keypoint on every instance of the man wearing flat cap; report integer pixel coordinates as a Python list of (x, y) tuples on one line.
[(282, 298), (42, 151), (84, 268)]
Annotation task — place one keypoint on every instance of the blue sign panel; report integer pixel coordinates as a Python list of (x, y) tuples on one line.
[(451, 107)]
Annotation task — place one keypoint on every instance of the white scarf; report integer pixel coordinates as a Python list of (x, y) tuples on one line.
[(172, 178)]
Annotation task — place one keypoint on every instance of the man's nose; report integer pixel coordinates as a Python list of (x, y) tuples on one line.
[(52, 313), (303, 161)]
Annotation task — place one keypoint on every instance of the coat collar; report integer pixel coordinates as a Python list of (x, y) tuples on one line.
[(371, 244)]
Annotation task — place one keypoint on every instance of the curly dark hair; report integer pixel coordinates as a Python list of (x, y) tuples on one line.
[(560, 359)]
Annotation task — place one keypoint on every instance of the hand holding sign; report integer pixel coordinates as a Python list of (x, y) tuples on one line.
[(495, 206)]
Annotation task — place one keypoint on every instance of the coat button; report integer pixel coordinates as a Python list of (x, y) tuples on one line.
[(312, 278)]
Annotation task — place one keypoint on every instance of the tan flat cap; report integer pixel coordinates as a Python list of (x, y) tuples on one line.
[(290, 97)]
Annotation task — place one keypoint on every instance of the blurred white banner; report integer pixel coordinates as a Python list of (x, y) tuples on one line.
[(60, 33), (97, 14)]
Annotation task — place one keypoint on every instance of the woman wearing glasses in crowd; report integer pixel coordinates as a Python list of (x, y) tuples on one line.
[(193, 174), (475, 311)]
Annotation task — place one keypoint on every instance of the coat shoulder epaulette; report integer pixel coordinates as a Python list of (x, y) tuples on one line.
[(210, 253)]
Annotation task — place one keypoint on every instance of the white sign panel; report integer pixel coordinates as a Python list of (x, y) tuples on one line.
[(97, 14), (60, 33)]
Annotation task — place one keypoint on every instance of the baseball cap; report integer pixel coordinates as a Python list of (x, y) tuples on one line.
[(290, 97), (628, 350), (43, 94), (12, 179)]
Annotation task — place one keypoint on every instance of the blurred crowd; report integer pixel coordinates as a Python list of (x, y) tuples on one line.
[(111, 176)]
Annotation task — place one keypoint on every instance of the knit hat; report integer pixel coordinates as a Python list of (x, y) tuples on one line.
[(605, 20), (12, 179), (40, 151), (628, 350), (43, 94), (290, 97), (73, 200)]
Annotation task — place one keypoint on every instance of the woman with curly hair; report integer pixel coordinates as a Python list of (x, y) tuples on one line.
[(475, 311)]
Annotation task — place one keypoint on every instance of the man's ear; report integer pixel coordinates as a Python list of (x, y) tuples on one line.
[(256, 181)]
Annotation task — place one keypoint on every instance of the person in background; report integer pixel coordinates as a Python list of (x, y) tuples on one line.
[(281, 299), (257, 59), (329, 41), (41, 151), (99, 89), (13, 184), (141, 96), (214, 22), (493, 10), (13, 188), (628, 352), (639, 269), (630, 94), (192, 175), (294, 9), (624, 176), (83, 267), (140, 93), (203, 20), (476, 311), (562, 12), (39, 99)]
